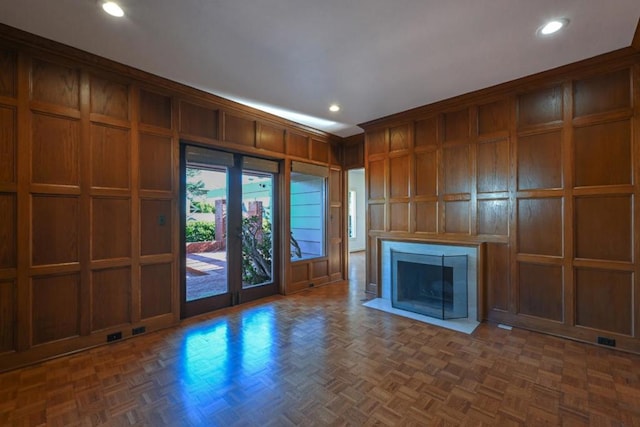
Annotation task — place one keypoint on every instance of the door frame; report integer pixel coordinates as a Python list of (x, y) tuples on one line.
[(236, 294)]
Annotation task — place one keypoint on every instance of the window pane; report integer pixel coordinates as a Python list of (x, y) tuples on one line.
[(307, 216)]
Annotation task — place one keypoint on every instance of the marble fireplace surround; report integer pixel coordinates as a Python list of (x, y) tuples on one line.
[(383, 303)]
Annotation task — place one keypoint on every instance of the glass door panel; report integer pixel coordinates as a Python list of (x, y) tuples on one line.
[(257, 229), (205, 233)]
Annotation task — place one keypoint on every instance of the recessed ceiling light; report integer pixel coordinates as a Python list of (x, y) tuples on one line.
[(113, 9), (553, 26), (334, 108)]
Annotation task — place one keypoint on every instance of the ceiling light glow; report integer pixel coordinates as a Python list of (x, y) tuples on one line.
[(113, 9), (334, 108), (553, 26)]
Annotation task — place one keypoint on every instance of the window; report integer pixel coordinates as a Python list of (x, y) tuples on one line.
[(308, 210)]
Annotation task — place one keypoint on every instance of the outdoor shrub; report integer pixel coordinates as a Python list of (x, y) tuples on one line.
[(200, 231)]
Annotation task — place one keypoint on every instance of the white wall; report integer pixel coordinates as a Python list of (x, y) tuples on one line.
[(356, 183)]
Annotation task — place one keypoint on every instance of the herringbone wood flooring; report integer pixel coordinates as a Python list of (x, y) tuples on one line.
[(320, 358)]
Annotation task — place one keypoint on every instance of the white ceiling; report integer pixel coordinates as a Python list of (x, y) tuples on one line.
[(373, 57)]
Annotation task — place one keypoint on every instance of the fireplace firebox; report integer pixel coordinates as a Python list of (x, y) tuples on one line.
[(432, 285)]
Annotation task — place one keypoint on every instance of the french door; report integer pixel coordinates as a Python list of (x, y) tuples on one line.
[(229, 229)]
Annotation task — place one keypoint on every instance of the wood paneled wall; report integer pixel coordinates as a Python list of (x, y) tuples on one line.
[(545, 171), (89, 194)]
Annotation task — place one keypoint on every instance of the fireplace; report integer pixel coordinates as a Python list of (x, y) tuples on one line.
[(432, 285), (451, 300)]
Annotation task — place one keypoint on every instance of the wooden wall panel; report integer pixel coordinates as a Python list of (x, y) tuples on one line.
[(109, 98), (426, 173), (198, 121), (335, 260), (110, 298), (110, 157), (377, 142), (55, 307), (8, 230), (603, 154), (456, 217), (456, 125), (376, 217), (155, 109), (497, 281), (426, 132), (353, 155), (534, 216), (110, 228), (426, 217), (319, 151), (543, 172), (493, 166), (55, 150), (603, 228), (540, 161), (399, 217), (270, 138), (540, 107), (399, 138), (155, 290), (297, 145), (457, 175), (335, 231), (239, 130), (319, 269), (376, 176), (399, 172), (8, 73), (493, 217), (540, 290), (602, 93), (335, 187), (7, 316), (335, 153), (54, 226), (299, 273), (155, 226), (604, 300), (88, 193), (55, 84), (7, 144), (493, 117), (156, 162)]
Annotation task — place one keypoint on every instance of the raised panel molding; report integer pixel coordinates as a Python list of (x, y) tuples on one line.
[(109, 98), (55, 150), (8, 231), (155, 109), (155, 293), (8, 73), (7, 144), (197, 120), (110, 157), (55, 307), (55, 84), (540, 107), (54, 238), (156, 162)]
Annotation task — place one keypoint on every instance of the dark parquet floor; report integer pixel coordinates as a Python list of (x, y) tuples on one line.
[(320, 358)]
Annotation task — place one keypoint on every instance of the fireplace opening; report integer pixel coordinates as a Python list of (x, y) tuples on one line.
[(432, 285)]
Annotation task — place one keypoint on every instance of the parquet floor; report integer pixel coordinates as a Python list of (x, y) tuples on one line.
[(321, 358)]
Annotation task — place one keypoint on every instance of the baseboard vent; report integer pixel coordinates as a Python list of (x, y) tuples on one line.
[(114, 336), (502, 326), (607, 341), (138, 330)]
